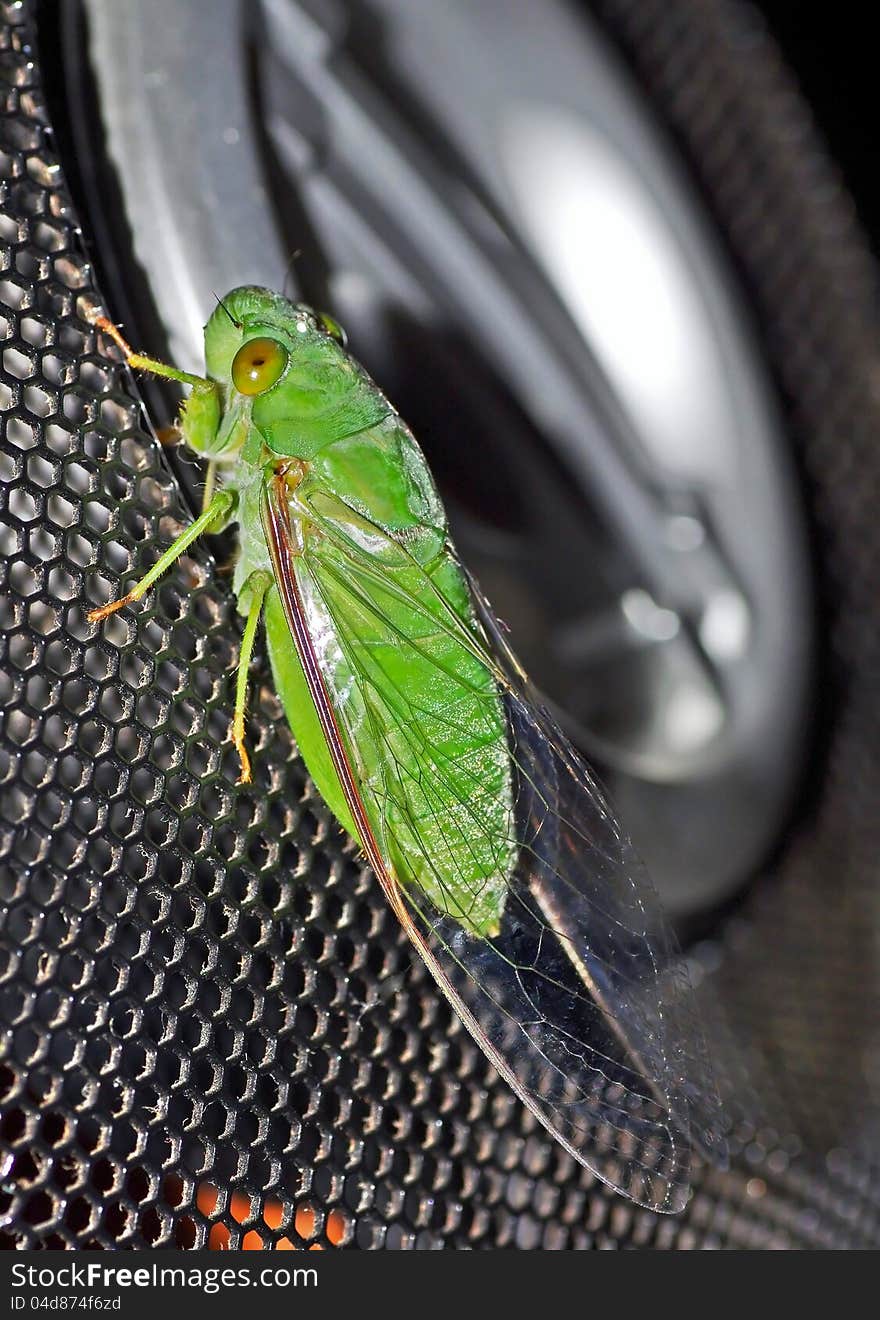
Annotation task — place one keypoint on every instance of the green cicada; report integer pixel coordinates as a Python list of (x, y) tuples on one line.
[(488, 835)]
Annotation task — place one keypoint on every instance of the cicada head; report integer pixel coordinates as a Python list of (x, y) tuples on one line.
[(285, 373)]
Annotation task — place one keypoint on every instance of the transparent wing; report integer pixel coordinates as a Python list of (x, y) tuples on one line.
[(580, 999)]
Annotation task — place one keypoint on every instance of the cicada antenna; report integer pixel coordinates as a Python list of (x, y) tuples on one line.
[(288, 270), (221, 303)]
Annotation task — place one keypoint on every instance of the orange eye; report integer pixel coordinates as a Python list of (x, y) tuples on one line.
[(257, 365), (333, 328)]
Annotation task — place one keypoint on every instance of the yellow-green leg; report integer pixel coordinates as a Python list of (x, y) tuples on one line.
[(218, 510), (142, 363), (257, 585), (210, 484), (200, 414)]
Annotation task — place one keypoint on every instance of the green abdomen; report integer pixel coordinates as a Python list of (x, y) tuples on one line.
[(423, 721)]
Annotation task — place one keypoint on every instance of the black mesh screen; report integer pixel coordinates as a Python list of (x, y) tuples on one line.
[(212, 1031)]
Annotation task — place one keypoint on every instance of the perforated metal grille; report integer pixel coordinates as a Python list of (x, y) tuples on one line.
[(212, 1030)]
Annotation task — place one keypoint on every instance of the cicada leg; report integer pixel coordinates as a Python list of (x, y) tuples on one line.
[(200, 414), (218, 510), (200, 418), (141, 362), (256, 586)]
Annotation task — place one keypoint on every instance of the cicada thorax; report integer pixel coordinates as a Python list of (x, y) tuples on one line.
[(291, 472)]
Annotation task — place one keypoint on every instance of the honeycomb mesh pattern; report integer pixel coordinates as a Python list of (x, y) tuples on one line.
[(212, 1031)]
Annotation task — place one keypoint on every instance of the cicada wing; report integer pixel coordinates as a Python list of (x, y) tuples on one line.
[(578, 998), (648, 988)]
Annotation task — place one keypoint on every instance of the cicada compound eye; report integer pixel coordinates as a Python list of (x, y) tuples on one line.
[(332, 328), (257, 365)]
